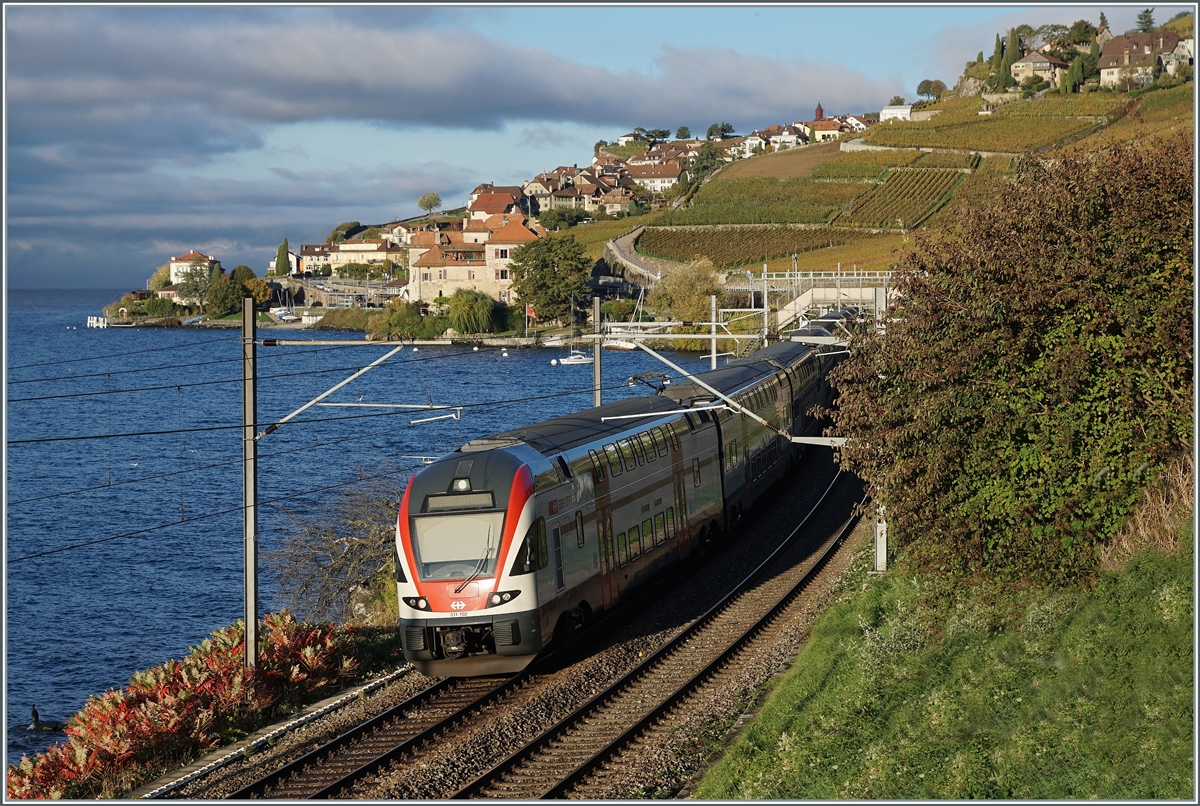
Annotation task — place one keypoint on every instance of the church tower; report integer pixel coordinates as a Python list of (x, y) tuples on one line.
[(820, 113)]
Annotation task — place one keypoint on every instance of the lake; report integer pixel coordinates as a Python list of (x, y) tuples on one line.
[(123, 495)]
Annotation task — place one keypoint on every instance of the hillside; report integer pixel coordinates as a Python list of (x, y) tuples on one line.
[(1003, 693), (829, 206)]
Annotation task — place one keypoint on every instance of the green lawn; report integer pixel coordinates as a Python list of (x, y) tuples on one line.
[(1015, 694)]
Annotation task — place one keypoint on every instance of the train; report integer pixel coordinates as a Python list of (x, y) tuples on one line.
[(516, 541)]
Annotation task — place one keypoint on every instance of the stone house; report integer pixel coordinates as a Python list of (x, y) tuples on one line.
[(655, 178), (895, 112), (1042, 65), (1134, 56)]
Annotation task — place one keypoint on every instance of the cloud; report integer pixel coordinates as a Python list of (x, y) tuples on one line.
[(113, 113)]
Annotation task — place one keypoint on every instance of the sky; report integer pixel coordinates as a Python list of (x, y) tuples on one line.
[(137, 133)]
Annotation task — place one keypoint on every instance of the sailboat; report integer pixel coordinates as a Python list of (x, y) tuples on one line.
[(576, 356), (615, 330)]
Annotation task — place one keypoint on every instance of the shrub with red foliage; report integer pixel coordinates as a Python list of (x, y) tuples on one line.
[(173, 713)]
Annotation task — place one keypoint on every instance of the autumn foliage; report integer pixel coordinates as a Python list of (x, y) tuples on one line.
[(1037, 368), (173, 713)]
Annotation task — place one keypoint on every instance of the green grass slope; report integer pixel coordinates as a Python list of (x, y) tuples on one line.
[(995, 693)]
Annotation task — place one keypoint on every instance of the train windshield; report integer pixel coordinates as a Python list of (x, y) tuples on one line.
[(456, 546)]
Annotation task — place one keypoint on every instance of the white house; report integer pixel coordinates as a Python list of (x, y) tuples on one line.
[(896, 112), (180, 265)]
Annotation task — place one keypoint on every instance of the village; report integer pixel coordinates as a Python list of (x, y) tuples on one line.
[(428, 258)]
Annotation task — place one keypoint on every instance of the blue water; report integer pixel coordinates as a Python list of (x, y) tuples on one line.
[(124, 551)]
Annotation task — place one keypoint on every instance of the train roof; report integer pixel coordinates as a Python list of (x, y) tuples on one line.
[(562, 433)]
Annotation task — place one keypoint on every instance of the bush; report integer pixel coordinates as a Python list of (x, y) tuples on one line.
[(171, 714), (1035, 369)]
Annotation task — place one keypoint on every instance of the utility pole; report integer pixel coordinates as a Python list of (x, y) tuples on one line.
[(250, 480), (596, 351), (712, 311)]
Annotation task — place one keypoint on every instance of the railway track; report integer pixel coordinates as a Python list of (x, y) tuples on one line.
[(571, 756), (403, 752), (366, 748)]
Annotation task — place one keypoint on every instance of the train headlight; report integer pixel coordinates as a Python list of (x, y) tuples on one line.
[(462, 485), (418, 602), (502, 597)]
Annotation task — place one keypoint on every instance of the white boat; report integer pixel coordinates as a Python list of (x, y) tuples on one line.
[(555, 341), (577, 357), (619, 344)]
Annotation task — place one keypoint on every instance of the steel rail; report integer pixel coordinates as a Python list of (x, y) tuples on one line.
[(476, 786)]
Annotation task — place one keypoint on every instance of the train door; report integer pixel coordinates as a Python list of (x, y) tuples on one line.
[(608, 557), (556, 556), (685, 545)]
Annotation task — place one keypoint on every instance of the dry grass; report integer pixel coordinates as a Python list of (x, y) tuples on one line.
[(793, 163), (1166, 503)]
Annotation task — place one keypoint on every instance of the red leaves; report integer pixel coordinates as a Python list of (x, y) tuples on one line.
[(172, 713)]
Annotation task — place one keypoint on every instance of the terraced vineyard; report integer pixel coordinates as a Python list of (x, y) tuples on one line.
[(764, 200), (729, 247), (948, 159), (1014, 127), (903, 200), (860, 165)]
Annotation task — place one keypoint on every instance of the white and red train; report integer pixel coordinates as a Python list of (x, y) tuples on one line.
[(518, 539)]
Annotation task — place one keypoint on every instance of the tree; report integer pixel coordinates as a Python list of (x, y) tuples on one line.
[(1035, 368), (241, 273), (658, 134), (283, 264), (714, 132), (341, 544), (897, 100), (997, 54), (471, 311), (931, 88), (336, 235), (1145, 21), (430, 202), (157, 306), (599, 145), (1054, 35), (1104, 22), (561, 217), (224, 297), (726, 130), (195, 282), (683, 294), (161, 278), (683, 133), (548, 272), (259, 290), (1081, 33)]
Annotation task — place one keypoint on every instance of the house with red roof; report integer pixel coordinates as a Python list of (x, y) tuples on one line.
[(445, 264), (183, 263)]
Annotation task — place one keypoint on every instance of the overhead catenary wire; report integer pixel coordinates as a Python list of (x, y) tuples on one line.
[(497, 406), (530, 399), (121, 355), (207, 516), (223, 381)]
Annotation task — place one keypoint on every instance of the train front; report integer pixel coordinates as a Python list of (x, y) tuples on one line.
[(465, 565)]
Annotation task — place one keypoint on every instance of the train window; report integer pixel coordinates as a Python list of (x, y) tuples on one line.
[(660, 528), (660, 441), (597, 466), (696, 471), (670, 521), (691, 423), (647, 443), (622, 551), (533, 554), (635, 543), (560, 579), (703, 416), (733, 452), (602, 543), (579, 529), (614, 459), (648, 533), (627, 452), (674, 436)]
